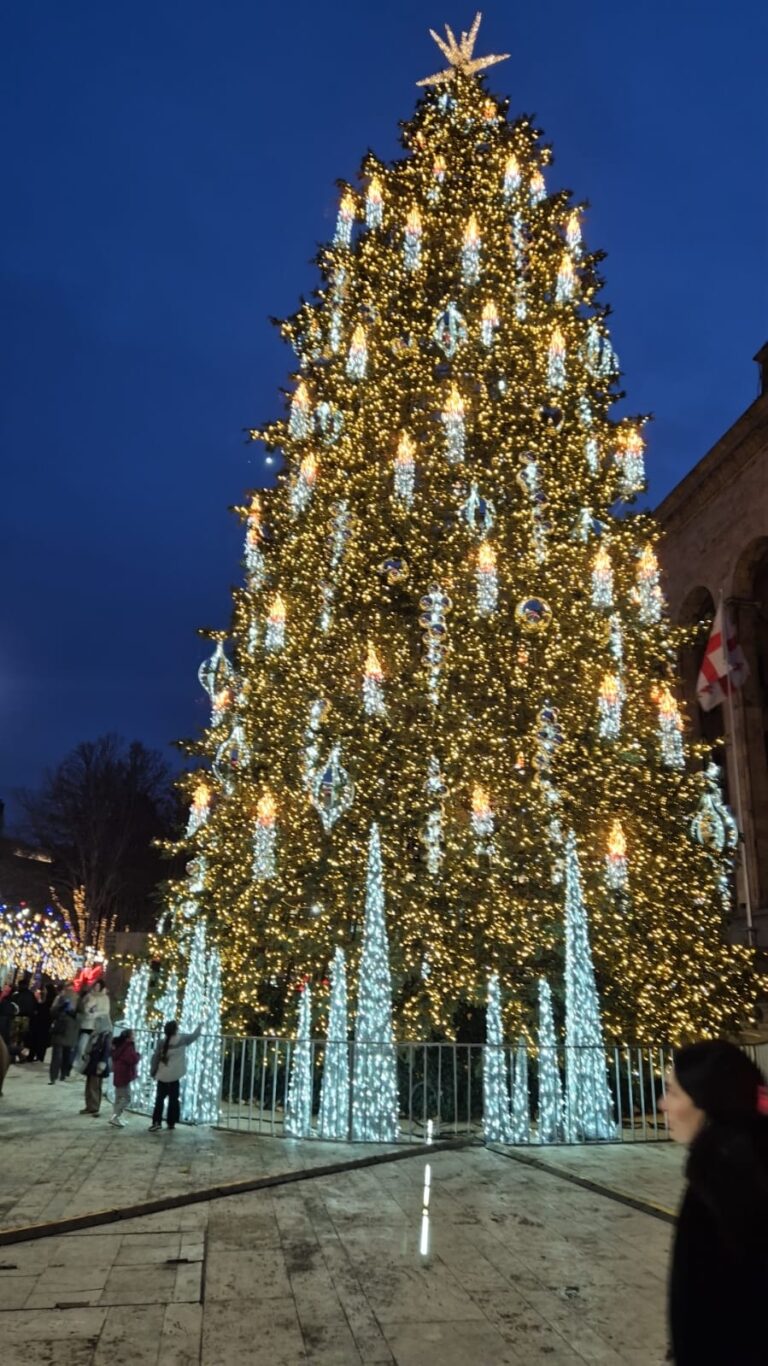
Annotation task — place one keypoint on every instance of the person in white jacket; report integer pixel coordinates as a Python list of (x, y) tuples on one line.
[(169, 1065)]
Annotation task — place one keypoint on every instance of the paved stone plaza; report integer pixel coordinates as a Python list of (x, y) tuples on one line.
[(512, 1265)]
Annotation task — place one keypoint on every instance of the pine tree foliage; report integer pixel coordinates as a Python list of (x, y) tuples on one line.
[(450, 623)]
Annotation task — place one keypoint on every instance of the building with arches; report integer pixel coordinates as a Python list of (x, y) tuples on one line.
[(715, 542)]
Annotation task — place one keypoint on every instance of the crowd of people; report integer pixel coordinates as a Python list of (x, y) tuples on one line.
[(76, 1025)]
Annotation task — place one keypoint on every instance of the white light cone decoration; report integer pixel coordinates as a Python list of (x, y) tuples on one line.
[(135, 1018), (192, 1014), (550, 1125), (207, 1100), (168, 1004), (497, 1119), (374, 1088), (588, 1104), (334, 1093), (521, 1114), (298, 1107)]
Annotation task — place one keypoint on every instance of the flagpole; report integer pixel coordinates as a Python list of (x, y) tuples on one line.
[(737, 776)]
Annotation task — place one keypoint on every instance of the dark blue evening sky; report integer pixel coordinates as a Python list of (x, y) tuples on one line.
[(171, 171)]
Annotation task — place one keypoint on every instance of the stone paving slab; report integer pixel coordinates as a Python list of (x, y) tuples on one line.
[(515, 1266), (58, 1163)]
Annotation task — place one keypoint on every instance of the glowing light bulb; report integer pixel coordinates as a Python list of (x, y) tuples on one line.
[(511, 176), (439, 168)]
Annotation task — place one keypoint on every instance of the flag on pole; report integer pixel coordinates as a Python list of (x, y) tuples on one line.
[(723, 667)]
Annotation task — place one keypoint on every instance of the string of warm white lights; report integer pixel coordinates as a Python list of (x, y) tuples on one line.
[(440, 561)]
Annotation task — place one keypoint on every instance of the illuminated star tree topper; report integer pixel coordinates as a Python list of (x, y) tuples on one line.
[(459, 54)]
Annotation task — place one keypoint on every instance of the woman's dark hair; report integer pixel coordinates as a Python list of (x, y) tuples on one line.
[(121, 1038), (169, 1029), (728, 1160)]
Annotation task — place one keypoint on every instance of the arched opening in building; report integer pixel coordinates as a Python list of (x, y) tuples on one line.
[(698, 610), (749, 612)]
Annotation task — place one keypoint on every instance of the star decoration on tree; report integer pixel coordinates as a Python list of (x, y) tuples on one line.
[(459, 54)]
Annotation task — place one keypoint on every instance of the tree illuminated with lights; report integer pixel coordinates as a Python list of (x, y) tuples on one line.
[(450, 624)]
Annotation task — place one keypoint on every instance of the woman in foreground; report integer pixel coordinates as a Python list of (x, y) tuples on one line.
[(717, 1104)]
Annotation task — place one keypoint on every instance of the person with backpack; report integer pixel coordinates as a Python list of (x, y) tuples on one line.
[(169, 1065), (96, 1063), (64, 1034), (125, 1063)]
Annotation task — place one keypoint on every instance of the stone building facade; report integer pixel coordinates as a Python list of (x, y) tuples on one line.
[(715, 525)]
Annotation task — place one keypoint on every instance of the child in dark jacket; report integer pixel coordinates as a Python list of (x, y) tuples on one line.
[(125, 1062)]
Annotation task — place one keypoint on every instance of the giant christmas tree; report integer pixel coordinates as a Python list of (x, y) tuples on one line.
[(451, 624)]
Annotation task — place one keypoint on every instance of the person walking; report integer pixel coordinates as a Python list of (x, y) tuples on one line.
[(716, 1103), (96, 1063), (125, 1062), (40, 1026), (64, 1033), (94, 1001), (168, 1066)]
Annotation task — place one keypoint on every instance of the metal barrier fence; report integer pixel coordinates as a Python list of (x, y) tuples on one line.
[(440, 1088)]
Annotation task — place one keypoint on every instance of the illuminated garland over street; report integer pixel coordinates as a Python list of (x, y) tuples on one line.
[(36, 941)]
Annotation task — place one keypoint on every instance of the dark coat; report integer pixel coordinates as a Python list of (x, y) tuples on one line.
[(718, 1292), (25, 1002), (65, 1028), (98, 1055)]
